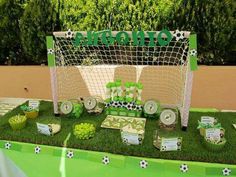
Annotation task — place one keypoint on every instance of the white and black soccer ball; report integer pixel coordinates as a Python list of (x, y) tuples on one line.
[(7, 145), (69, 34), (124, 104), (37, 149), (105, 160), (226, 171), (70, 154), (119, 104), (178, 35), (115, 104), (50, 51), (143, 164), (193, 52), (129, 106), (184, 168), (139, 107), (107, 105)]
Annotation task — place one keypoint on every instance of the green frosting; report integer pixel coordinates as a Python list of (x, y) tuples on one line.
[(121, 98), (132, 84), (118, 83), (109, 85), (138, 102), (128, 99), (116, 98), (139, 85), (127, 84), (107, 100)]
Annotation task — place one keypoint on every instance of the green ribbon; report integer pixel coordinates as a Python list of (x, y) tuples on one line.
[(206, 126)]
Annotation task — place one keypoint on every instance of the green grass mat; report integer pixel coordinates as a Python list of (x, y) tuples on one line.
[(107, 140)]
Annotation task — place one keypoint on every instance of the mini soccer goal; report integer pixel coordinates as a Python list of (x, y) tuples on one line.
[(82, 63)]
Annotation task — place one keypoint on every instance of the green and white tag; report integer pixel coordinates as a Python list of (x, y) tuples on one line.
[(34, 104), (207, 120), (171, 144), (213, 134)]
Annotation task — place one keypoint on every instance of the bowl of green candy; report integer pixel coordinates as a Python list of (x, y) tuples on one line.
[(84, 131), (17, 122)]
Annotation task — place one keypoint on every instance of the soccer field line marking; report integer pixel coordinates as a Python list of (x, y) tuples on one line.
[(62, 167)]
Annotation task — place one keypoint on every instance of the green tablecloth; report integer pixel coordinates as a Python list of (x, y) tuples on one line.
[(53, 162)]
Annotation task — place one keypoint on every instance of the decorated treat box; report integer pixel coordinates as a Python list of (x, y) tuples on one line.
[(168, 118), (214, 145), (132, 129), (32, 109), (132, 135), (17, 122), (214, 139), (207, 122), (48, 126), (166, 141)]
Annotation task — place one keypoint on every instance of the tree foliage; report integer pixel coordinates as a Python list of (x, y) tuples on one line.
[(37, 21), (215, 24), (212, 20), (10, 46)]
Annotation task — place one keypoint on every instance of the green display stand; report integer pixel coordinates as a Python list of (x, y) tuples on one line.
[(53, 161)]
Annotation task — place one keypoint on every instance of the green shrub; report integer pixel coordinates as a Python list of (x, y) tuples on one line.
[(10, 46), (214, 22), (37, 21)]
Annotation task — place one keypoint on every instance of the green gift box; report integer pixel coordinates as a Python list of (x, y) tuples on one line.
[(123, 112), (132, 113)]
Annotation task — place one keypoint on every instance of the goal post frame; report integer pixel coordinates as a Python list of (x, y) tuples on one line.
[(191, 66), (52, 65)]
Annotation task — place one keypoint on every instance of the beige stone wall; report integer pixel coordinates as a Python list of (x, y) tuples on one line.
[(213, 86)]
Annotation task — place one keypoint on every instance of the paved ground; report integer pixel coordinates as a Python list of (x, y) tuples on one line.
[(8, 104)]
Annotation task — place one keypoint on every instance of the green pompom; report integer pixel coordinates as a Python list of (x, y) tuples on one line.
[(84, 131), (77, 110)]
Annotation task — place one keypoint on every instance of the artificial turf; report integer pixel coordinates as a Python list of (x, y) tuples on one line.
[(108, 140)]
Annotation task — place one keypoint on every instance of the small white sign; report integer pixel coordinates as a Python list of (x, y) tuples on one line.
[(213, 134), (34, 104), (131, 138), (44, 129), (169, 144), (207, 120)]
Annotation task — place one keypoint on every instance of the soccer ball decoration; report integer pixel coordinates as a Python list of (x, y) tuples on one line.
[(105, 160), (179, 35), (193, 52), (69, 34), (50, 51), (70, 154), (184, 168), (226, 171), (143, 164), (107, 105), (151, 109), (94, 104), (139, 107), (168, 119), (129, 106), (37, 150), (66, 107), (7, 145)]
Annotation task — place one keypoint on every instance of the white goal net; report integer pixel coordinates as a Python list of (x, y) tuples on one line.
[(84, 70)]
